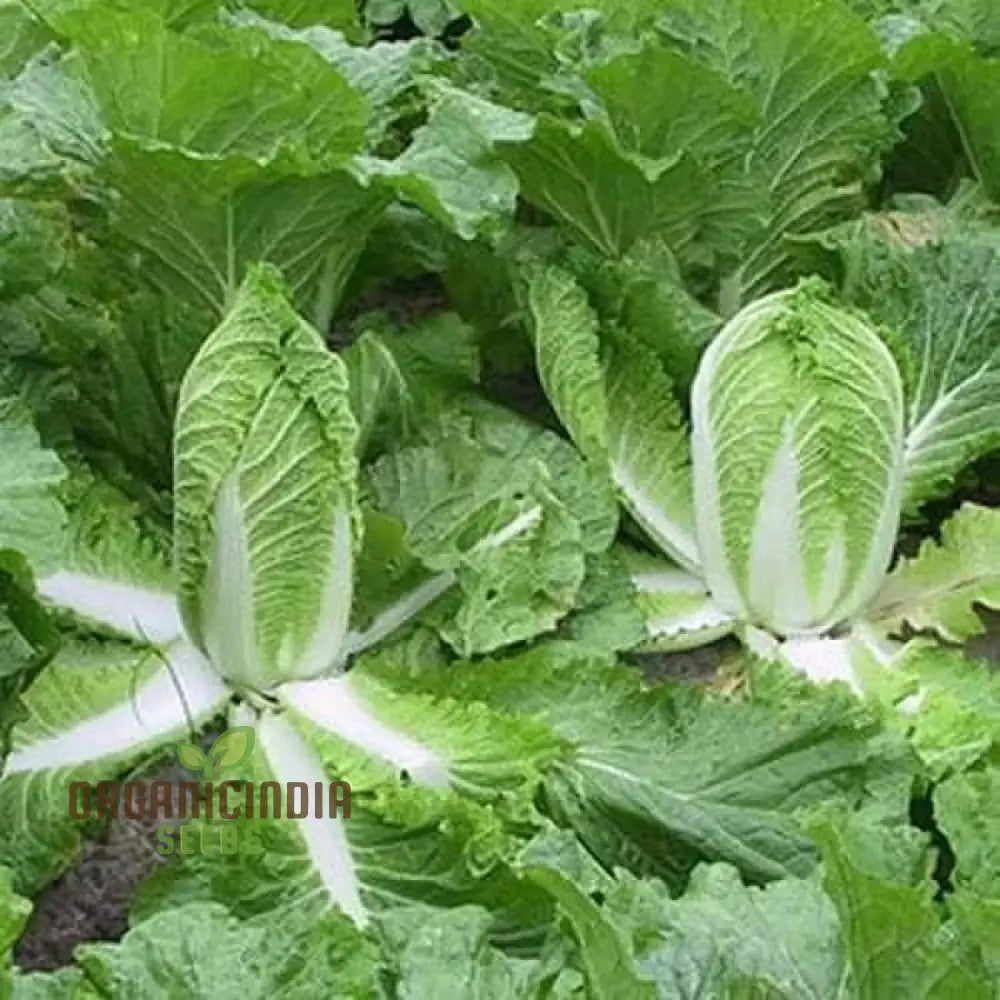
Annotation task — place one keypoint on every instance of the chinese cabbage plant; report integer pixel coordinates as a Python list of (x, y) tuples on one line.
[(813, 428), (258, 605)]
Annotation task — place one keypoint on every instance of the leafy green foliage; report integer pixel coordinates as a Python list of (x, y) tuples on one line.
[(377, 380)]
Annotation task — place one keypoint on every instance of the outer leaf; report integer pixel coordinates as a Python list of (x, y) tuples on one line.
[(199, 224), (613, 415), (967, 807), (507, 512), (265, 494), (400, 381), (939, 294), (147, 81), (31, 518), (22, 35), (634, 601), (889, 926), (611, 972), (383, 72), (450, 168), (397, 847), (97, 710), (112, 574), (653, 783), (198, 196), (966, 81), (947, 703), (437, 743), (202, 951), (798, 416), (435, 949), (784, 937), (14, 913), (940, 588), (811, 70), (610, 199)]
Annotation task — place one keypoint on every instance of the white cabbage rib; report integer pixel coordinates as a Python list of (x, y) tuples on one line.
[(335, 706), (184, 691), (140, 613), (289, 759)]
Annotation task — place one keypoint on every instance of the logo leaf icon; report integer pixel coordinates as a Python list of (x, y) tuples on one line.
[(233, 747), (191, 756)]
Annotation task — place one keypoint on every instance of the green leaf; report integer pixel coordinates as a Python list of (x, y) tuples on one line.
[(940, 588), (263, 405), (947, 703), (191, 756), (611, 972), (385, 73), (233, 747), (148, 82), (400, 381), (381, 731), (435, 949), (783, 937), (890, 929), (653, 783), (199, 196), (621, 412), (967, 808), (965, 80), (811, 69), (451, 169), (32, 519), (96, 711), (933, 283), (644, 294), (609, 199), (507, 510), (23, 36), (200, 950), (14, 913), (112, 574), (393, 846)]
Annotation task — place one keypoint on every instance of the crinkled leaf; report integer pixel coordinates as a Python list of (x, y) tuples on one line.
[(97, 710), (890, 928), (811, 71), (505, 508), (451, 169), (934, 286), (32, 519), (967, 808), (400, 380), (654, 784), (941, 587), (265, 492), (200, 950), (384, 72), (621, 412)]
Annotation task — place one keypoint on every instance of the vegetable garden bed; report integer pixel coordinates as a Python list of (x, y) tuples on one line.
[(499, 499)]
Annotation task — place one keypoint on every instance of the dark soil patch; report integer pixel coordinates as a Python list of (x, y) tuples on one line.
[(92, 900)]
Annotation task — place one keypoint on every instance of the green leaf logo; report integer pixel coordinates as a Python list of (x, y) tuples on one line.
[(190, 756), (233, 747)]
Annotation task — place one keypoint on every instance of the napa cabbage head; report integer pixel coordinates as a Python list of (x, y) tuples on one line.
[(798, 458)]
